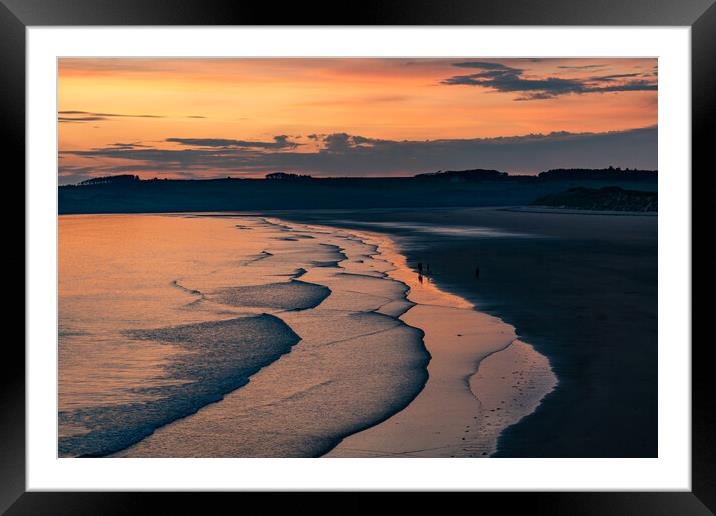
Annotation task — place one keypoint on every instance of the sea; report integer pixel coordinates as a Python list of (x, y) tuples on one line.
[(161, 316)]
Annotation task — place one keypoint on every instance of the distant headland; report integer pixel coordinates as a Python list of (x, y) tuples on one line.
[(285, 190)]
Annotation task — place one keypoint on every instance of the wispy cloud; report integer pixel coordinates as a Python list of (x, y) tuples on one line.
[(581, 67), (70, 116), (279, 142), (503, 78)]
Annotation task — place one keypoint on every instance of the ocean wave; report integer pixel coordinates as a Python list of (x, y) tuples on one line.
[(256, 258), (181, 287), (220, 357), (357, 362), (291, 295)]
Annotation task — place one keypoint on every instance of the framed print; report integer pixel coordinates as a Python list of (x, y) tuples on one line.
[(421, 249)]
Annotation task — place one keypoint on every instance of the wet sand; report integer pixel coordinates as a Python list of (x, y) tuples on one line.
[(583, 292), (480, 379)]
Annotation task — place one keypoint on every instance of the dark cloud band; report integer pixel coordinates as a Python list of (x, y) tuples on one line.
[(500, 77), (280, 142), (342, 154)]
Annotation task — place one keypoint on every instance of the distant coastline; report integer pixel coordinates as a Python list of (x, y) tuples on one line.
[(475, 187)]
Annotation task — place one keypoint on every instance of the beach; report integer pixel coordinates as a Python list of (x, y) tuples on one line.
[(360, 334), (328, 343), (579, 287), (481, 379)]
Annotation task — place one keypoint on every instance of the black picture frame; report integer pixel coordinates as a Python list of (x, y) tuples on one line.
[(17, 15)]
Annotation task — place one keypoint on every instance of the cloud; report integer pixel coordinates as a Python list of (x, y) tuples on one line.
[(360, 100), (342, 154), (77, 173), (500, 77), (483, 65), (639, 85), (107, 114), (581, 67), (63, 119), (70, 116), (280, 142), (341, 142), (133, 145), (613, 77)]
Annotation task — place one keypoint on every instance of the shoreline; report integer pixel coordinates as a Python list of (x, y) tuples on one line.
[(481, 378), (578, 211), (548, 288), (454, 412), (267, 417), (583, 293)]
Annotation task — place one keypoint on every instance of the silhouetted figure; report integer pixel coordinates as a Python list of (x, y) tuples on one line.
[(428, 269), (420, 268), (477, 272)]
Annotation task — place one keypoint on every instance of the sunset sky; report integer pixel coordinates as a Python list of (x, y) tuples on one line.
[(202, 118)]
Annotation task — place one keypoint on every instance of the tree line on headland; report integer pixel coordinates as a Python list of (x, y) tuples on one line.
[(478, 174)]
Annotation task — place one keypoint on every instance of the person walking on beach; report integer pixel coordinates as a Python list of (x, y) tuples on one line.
[(420, 268)]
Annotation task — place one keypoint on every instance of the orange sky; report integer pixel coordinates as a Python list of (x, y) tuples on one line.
[(145, 102)]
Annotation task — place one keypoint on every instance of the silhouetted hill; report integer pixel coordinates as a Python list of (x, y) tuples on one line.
[(118, 179), (464, 175), (603, 174), (286, 191), (611, 198), (285, 176)]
